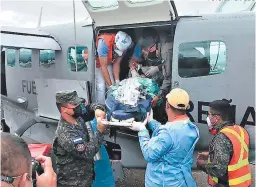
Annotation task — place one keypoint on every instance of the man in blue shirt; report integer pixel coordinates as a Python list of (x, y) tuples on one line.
[(169, 152)]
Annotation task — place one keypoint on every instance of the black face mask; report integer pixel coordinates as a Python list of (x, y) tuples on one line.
[(79, 110)]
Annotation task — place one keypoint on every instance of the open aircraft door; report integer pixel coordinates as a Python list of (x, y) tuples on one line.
[(114, 12)]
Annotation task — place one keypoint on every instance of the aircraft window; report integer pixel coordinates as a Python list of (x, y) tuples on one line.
[(25, 56), (201, 50), (202, 58), (100, 4), (81, 55), (47, 58), (11, 57)]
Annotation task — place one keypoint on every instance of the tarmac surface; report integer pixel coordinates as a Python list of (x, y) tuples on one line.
[(135, 178)]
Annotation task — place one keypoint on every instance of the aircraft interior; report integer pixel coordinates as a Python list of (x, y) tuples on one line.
[(135, 33)]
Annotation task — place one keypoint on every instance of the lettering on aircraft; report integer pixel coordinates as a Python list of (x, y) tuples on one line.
[(191, 108), (29, 87), (250, 111)]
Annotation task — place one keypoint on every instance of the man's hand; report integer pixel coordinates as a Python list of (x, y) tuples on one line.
[(110, 88), (200, 162), (139, 126), (117, 82), (145, 53), (143, 76), (134, 73), (99, 114), (153, 70), (203, 156), (150, 116), (154, 101), (48, 178), (101, 127)]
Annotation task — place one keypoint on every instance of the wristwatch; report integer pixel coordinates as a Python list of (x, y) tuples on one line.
[(100, 107)]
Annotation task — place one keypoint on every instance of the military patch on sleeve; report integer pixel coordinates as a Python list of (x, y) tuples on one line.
[(80, 147), (78, 143), (77, 140)]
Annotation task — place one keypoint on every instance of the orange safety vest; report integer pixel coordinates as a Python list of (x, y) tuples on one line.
[(239, 174), (109, 40)]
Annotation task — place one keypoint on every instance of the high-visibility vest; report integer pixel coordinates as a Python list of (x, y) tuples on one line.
[(239, 174), (109, 40)]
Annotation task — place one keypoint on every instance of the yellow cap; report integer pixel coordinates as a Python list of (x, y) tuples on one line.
[(178, 98)]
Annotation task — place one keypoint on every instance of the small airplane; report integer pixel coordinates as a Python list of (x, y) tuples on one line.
[(36, 63)]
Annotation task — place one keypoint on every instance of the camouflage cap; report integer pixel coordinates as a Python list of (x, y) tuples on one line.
[(70, 97)]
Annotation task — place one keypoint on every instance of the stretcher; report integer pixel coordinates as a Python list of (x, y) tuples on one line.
[(123, 116), (128, 104), (121, 123)]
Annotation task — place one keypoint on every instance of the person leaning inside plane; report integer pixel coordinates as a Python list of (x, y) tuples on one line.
[(169, 152), (111, 49)]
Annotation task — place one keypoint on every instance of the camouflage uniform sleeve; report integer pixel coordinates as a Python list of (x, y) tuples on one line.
[(91, 108), (166, 53), (222, 152), (75, 143), (95, 106)]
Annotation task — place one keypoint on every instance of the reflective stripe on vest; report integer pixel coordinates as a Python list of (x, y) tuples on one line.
[(239, 174), (109, 40)]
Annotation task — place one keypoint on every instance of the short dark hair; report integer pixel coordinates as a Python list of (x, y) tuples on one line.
[(59, 105), (222, 107), (177, 111), (149, 32), (15, 155)]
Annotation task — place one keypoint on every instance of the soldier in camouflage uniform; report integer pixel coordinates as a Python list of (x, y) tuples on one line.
[(73, 147), (221, 147)]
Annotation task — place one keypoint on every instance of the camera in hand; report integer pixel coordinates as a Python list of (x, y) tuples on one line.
[(36, 168)]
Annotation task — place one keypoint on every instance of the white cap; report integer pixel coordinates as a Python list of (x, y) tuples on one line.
[(123, 42)]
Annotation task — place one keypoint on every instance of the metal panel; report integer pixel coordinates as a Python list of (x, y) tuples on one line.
[(47, 88), (240, 47), (28, 41), (126, 12), (18, 30)]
